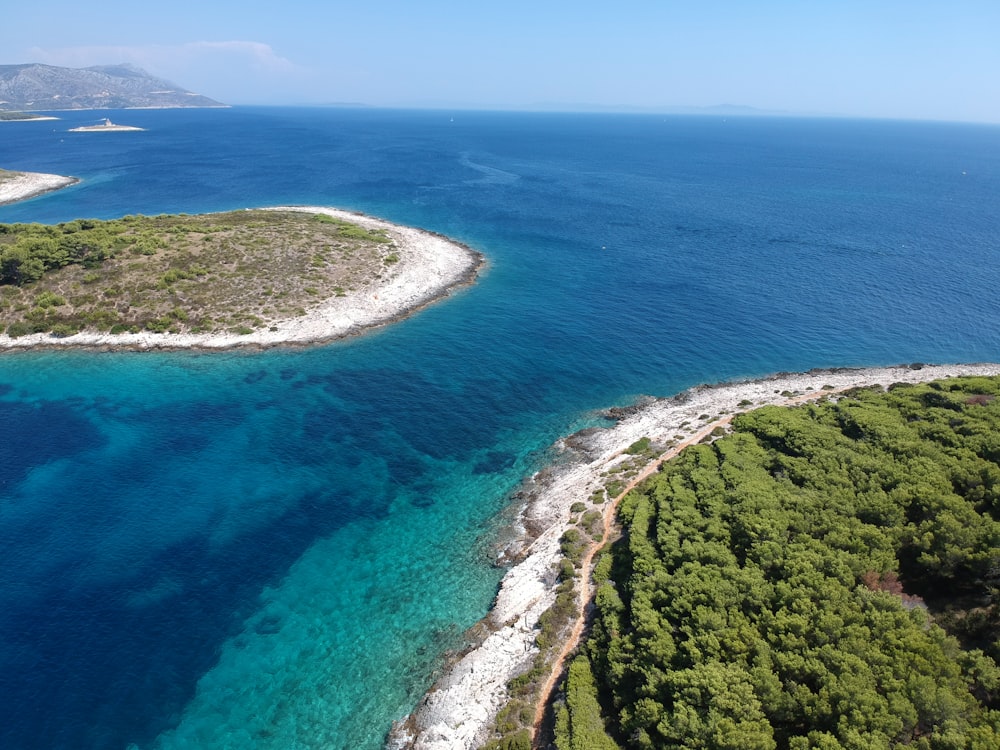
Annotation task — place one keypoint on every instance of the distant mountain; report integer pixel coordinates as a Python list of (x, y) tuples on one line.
[(34, 87)]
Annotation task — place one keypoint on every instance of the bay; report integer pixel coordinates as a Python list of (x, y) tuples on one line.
[(257, 550)]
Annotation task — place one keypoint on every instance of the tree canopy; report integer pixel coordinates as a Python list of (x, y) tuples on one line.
[(826, 576)]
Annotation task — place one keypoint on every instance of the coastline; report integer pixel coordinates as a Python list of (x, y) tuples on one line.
[(429, 268), (24, 185), (460, 708)]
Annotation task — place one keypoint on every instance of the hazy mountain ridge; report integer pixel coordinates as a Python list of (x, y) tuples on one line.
[(35, 87)]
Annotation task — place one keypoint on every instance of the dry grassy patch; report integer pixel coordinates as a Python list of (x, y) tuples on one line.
[(235, 271)]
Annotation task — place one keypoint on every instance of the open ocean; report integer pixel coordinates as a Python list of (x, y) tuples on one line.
[(275, 550)]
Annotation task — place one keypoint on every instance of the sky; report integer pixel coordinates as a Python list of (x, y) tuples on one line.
[(912, 59)]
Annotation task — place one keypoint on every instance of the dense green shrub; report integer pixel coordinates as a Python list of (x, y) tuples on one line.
[(572, 545), (15, 330), (786, 585), (567, 571), (29, 250), (580, 726), (49, 299), (615, 487), (61, 330), (520, 740), (593, 522), (639, 447)]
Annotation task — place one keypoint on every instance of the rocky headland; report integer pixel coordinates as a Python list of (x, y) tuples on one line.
[(459, 710)]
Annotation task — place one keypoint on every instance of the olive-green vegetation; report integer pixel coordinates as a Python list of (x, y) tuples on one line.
[(640, 447), (518, 740), (826, 576), (588, 731), (236, 271), (514, 722), (18, 116)]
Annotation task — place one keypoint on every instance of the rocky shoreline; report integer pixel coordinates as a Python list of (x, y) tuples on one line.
[(459, 710), (430, 266), (20, 186)]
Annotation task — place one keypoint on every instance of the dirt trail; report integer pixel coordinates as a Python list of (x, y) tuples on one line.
[(586, 567)]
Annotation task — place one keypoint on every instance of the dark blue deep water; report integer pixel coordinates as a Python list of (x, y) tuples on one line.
[(274, 550)]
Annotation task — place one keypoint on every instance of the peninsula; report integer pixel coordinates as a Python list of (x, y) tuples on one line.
[(33, 87), (23, 117), (263, 277), (19, 186), (567, 511)]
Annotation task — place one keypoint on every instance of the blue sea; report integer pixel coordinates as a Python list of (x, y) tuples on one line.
[(278, 549)]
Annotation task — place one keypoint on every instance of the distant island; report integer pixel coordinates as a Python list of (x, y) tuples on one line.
[(264, 277), (105, 126), (35, 87), (23, 117)]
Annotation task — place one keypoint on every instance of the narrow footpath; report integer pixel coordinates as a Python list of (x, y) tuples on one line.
[(586, 566)]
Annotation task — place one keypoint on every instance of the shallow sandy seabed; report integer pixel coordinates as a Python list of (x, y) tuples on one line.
[(429, 267), (24, 185), (460, 709)]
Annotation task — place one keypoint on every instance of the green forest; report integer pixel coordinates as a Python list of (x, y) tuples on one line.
[(825, 576)]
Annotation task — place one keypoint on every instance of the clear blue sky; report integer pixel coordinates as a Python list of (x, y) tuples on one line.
[(871, 58)]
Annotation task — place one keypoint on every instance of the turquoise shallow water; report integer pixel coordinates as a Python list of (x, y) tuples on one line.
[(274, 550)]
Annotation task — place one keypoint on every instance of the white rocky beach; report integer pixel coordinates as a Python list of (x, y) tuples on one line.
[(19, 186), (429, 267), (460, 709)]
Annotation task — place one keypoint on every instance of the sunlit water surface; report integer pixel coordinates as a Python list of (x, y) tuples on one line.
[(275, 550)]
